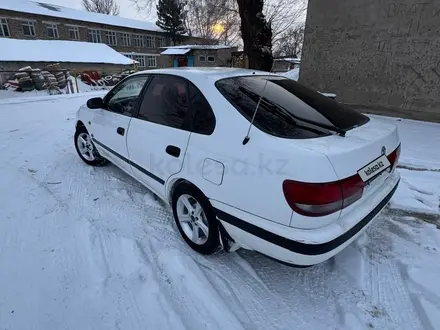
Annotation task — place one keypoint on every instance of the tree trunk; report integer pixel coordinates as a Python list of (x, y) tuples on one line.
[(256, 34)]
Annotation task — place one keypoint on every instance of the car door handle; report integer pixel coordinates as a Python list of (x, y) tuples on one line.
[(121, 131), (173, 151)]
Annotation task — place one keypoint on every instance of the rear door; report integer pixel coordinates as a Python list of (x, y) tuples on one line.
[(160, 131)]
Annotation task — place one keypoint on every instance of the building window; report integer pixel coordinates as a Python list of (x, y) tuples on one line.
[(149, 61), (52, 31), (161, 42), (149, 42), (125, 39), (95, 36), (28, 28), (211, 59), (4, 29), (202, 58), (110, 37), (152, 63), (139, 58), (74, 33), (138, 41)]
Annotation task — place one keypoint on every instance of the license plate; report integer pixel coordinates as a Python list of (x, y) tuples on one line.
[(374, 168)]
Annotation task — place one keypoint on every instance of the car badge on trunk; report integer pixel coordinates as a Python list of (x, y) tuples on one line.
[(384, 150)]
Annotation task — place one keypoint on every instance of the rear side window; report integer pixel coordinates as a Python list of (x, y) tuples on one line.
[(203, 117), (166, 102), (287, 108)]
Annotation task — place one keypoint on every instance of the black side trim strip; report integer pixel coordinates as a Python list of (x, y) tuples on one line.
[(151, 175), (303, 248)]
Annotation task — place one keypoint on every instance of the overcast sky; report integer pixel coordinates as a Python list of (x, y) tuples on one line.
[(127, 9)]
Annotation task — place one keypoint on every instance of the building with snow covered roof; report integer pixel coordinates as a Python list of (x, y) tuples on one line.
[(198, 55), (139, 40)]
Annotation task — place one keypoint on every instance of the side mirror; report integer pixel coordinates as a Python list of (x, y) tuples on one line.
[(95, 103)]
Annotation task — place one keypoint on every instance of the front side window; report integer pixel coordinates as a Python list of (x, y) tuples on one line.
[(123, 98), (28, 28), (95, 36), (287, 108), (52, 31), (4, 28), (74, 33), (149, 42), (138, 41), (110, 37), (125, 39), (166, 102), (203, 116)]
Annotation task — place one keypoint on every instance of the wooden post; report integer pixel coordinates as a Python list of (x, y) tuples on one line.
[(76, 82)]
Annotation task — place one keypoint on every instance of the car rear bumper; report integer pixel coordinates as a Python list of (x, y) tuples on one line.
[(299, 246)]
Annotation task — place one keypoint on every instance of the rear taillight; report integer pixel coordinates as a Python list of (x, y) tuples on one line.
[(394, 157), (319, 199)]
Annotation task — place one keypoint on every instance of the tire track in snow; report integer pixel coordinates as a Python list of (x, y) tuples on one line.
[(390, 302), (184, 284)]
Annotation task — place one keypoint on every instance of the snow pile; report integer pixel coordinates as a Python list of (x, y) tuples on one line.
[(419, 192), (292, 74), (74, 14), (59, 51)]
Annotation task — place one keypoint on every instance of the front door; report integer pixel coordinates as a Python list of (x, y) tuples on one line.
[(110, 125), (190, 61), (159, 133)]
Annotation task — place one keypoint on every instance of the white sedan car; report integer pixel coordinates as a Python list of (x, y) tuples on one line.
[(246, 159)]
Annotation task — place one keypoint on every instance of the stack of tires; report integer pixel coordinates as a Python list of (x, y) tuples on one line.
[(38, 79), (60, 75), (50, 80), (61, 79), (25, 83)]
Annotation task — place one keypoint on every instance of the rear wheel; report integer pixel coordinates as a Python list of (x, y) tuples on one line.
[(86, 149), (195, 218)]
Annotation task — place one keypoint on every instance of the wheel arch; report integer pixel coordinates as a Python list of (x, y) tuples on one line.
[(172, 185), (79, 124)]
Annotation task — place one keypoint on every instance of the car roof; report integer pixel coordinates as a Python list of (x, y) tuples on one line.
[(211, 73)]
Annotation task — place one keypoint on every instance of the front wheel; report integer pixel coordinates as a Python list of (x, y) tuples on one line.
[(86, 149), (195, 218)]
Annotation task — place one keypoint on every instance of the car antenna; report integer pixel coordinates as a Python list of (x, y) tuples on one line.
[(247, 137)]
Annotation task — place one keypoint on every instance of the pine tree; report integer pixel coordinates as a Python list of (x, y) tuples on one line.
[(170, 18)]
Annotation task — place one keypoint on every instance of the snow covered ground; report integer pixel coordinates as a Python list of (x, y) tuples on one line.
[(90, 248)]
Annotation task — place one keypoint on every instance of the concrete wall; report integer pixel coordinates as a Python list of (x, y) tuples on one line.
[(15, 66), (378, 55)]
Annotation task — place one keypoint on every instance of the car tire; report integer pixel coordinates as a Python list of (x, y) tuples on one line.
[(82, 141), (187, 221)]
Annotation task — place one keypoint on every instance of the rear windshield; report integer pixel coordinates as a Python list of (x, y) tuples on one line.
[(287, 109)]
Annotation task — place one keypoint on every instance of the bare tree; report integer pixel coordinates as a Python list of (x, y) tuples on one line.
[(290, 42), (213, 19), (282, 15), (109, 7)]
